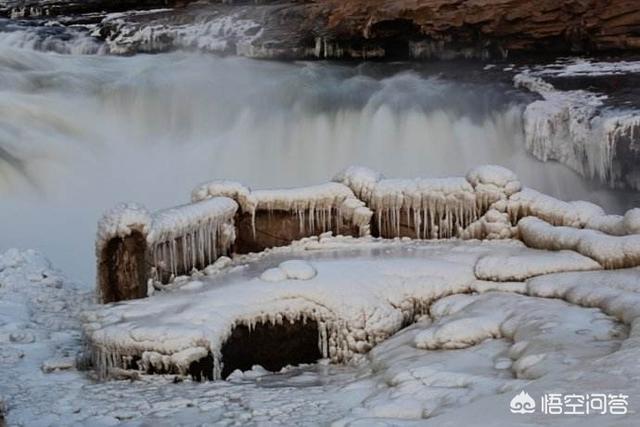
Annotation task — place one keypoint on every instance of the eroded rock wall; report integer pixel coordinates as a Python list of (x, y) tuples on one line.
[(362, 29)]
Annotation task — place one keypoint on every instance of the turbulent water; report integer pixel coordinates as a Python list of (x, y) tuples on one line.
[(80, 133)]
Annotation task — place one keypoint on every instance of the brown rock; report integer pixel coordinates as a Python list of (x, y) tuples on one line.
[(435, 28)]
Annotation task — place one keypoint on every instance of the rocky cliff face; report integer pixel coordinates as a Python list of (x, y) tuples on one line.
[(492, 25), (353, 28)]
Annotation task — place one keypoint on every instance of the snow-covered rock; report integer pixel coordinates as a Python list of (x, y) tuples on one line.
[(575, 128), (503, 342), (317, 207), (608, 250), (509, 267)]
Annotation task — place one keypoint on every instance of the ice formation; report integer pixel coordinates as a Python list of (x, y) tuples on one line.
[(571, 127), (360, 179), (292, 269), (178, 239), (225, 34), (430, 208), (511, 267), (356, 303), (192, 236), (580, 67), (610, 251), (492, 225), (529, 202), (490, 203), (319, 208), (121, 222), (503, 342), (539, 346)]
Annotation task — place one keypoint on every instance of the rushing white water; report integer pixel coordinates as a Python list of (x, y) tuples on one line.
[(80, 133)]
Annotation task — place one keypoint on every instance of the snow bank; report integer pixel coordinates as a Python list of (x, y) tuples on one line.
[(292, 269), (356, 303), (610, 251), (564, 347), (547, 335), (529, 202), (507, 267), (486, 204), (492, 225)]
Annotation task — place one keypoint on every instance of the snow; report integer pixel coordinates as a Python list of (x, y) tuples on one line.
[(121, 221), (360, 179), (495, 177), (573, 128), (504, 342), (358, 304), (510, 267), (293, 269), (220, 34), (180, 238), (492, 225), (274, 275), (572, 67), (220, 188), (609, 251), (631, 221), (411, 332), (576, 214), (434, 208), (315, 205)]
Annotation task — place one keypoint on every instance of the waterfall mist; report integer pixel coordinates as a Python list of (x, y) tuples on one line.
[(79, 134)]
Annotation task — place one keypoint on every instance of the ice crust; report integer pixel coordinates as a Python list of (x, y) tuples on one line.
[(432, 207), (489, 203), (317, 207), (503, 342), (292, 269), (360, 302), (180, 238), (572, 127), (357, 305), (224, 34), (510, 267), (610, 251)]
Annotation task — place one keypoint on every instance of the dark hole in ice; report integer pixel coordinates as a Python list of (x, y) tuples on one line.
[(272, 346)]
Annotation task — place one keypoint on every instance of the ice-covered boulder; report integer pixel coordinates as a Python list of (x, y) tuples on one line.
[(134, 245)]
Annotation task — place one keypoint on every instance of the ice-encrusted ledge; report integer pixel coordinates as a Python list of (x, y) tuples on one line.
[(134, 246), (275, 217), (583, 129), (350, 306)]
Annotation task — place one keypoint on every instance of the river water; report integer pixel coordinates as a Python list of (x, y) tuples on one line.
[(80, 133)]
